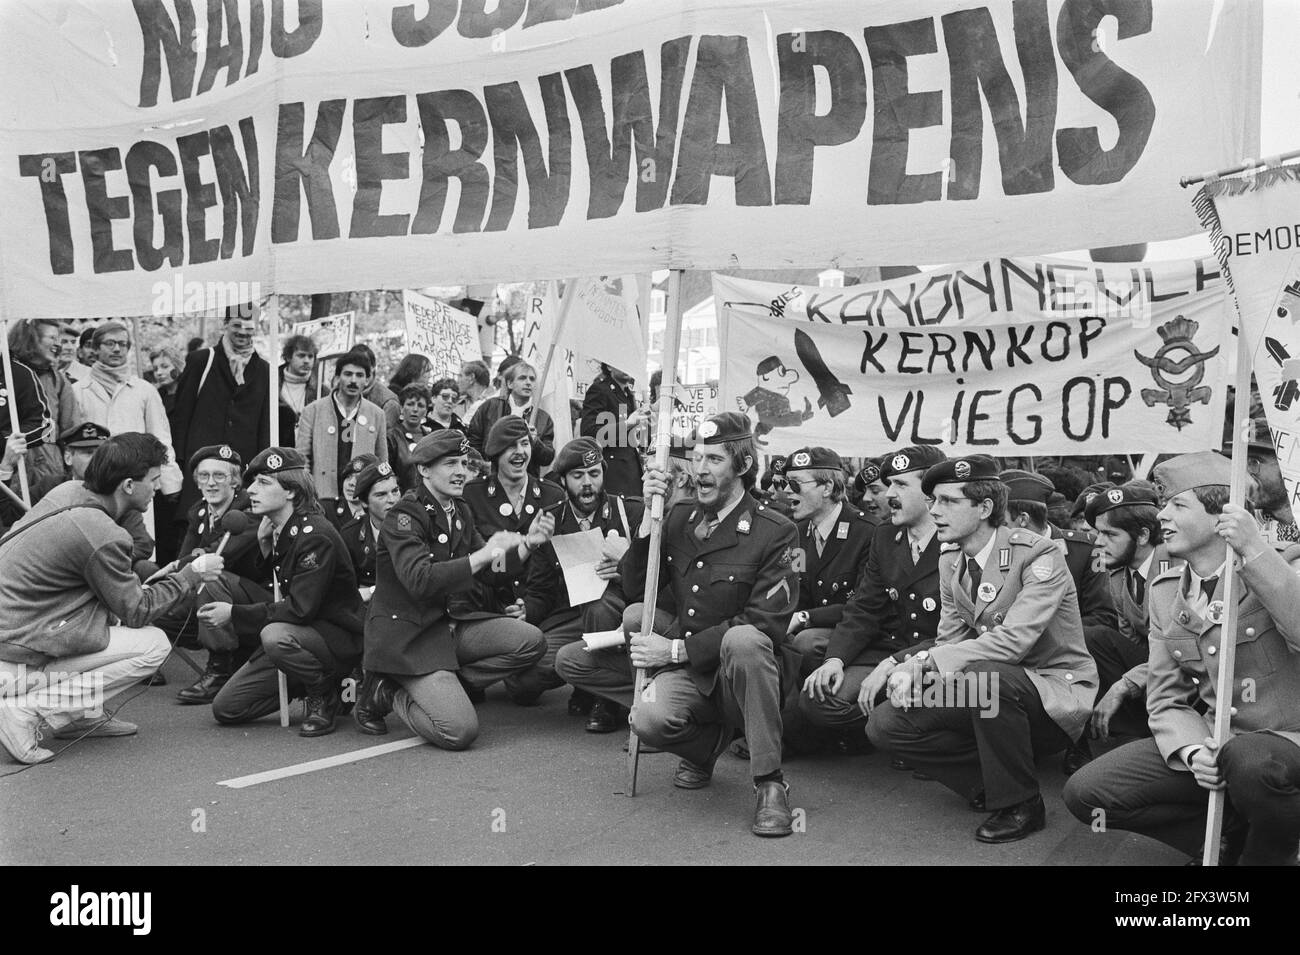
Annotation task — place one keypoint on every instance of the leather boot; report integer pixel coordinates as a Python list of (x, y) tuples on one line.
[(220, 668), (322, 709), (374, 702), (772, 815)]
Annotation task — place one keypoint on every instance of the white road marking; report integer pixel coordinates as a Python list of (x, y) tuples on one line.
[(298, 769)]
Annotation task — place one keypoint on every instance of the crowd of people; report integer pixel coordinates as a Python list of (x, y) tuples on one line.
[(394, 556)]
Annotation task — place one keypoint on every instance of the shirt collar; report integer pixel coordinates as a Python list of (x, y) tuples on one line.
[(723, 512), (1194, 579), (982, 558), (1145, 570), (921, 543)]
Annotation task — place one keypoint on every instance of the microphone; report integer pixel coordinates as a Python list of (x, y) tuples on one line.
[(232, 522)]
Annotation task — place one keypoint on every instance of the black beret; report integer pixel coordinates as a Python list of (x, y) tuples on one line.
[(806, 458), (273, 461), (728, 426), (1086, 495), (869, 474), (780, 464), (578, 453), (370, 476), (915, 458), (357, 465), (507, 430), (438, 445), (1027, 486), (220, 452), (87, 435), (974, 467), (1103, 501)]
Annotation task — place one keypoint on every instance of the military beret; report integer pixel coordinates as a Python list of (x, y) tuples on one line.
[(507, 430), (869, 474), (219, 452), (86, 435), (1187, 471), (1104, 501), (806, 458), (357, 465), (728, 426), (1086, 495), (273, 461), (1027, 486), (440, 444), (578, 453), (371, 475), (780, 464), (915, 458), (974, 467)]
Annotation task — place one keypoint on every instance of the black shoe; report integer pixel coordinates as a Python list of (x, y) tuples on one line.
[(772, 815), (374, 702), (694, 776), (322, 705), (1014, 822), (1077, 755), (220, 668), (853, 743), (606, 716), (581, 702)]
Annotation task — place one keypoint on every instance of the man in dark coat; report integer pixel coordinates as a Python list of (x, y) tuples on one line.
[(611, 417), (520, 383)]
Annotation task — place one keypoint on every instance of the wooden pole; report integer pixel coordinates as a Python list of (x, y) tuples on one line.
[(13, 410), (663, 437), (139, 350), (1228, 625), (273, 409), (566, 305)]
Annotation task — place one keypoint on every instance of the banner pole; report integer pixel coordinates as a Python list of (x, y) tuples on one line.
[(663, 437), (13, 410), (273, 409)]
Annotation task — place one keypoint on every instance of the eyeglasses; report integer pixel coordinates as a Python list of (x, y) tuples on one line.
[(448, 395), (797, 486), (214, 477), (113, 343)]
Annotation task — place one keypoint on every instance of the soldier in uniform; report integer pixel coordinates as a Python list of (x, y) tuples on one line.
[(427, 640), (1159, 786), (869, 490), (714, 658), (216, 471), (313, 632), (580, 465), (892, 612), (1129, 531), (610, 416), (509, 498), (346, 508), (377, 490), (1008, 677)]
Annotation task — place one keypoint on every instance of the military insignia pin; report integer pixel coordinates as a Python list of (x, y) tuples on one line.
[(1115, 496), (1216, 612), (987, 592), (200, 528), (893, 594), (274, 461), (306, 529), (385, 468), (225, 451), (962, 469), (708, 429), (442, 538), (742, 526), (802, 459), (293, 531), (900, 462), (505, 510), (929, 604), (404, 521), (842, 531), (309, 559), (1004, 558)]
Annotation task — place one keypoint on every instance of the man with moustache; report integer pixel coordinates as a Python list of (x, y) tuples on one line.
[(1160, 786), (428, 645), (587, 506), (892, 612), (377, 490), (1272, 503)]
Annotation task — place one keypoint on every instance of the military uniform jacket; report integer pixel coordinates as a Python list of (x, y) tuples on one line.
[(317, 586), (1096, 604), (421, 569), (1184, 661), (826, 582), (359, 538), (606, 404), (895, 606), (340, 513), (493, 512), (202, 535), (401, 442), (743, 574), (547, 591), (1025, 613)]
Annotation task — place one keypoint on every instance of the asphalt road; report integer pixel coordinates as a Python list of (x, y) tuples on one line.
[(534, 789)]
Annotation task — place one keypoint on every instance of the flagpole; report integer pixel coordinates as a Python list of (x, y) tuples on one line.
[(273, 410), (13, 411), (663, 437), (1228, 625)]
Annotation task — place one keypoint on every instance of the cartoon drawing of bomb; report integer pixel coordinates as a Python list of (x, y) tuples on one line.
[(772, 405)]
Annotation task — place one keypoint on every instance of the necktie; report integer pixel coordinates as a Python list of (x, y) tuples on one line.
[(584, 523), (706, 526), (916, 550), (974, 572), (818, 540), (1137, 587), (1207, 588)]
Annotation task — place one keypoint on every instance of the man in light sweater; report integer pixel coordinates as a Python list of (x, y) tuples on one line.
[(65, 583)]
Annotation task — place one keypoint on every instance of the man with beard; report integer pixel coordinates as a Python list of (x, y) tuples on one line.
[(892, 613), (509, 499), (313, 632), (341, 426), (1128, 529), (428, 643), (1008, 677), (377, 490), (520, 380), (1272, 504), (1159, 786), (587, 506), (714, 660)]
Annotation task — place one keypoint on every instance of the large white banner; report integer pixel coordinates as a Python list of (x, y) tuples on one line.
[(1254, 221), (602, 322), (446, 336), (1091, 385), (258, 147)]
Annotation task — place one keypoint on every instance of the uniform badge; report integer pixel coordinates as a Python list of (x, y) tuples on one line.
[(787, 558), (900, 462), (404, 522), (202, 511), (742, 526), (928, 604), (987, 592), (528, 508), (1164, 566), (293, 531), (384, 468), (962, 469), (842, 531), (1042, 569), (458, 523), (225, 451), (274, 462), (1182, 616), (537, 491), (309, 559), (802, 459), (505, 509), (306, 529), (591, 458), (604, 512), (442, 538), (898, 538), (1216, 612), (1115, 496), (893, 594), (708, 429), (1004, 558)]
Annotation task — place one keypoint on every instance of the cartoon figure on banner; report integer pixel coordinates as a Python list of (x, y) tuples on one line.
[(1287, 390), (772, 407), (1177, 335)]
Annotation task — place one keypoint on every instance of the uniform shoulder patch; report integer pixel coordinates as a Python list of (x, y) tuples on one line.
[(1042, 568), (310, 559), (787, 557)]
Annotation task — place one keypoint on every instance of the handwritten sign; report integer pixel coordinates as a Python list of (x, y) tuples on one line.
[(446, 336), (333, 334)]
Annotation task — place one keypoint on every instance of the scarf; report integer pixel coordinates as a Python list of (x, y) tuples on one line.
[(294, 389), (111, 379), (238, 359)]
